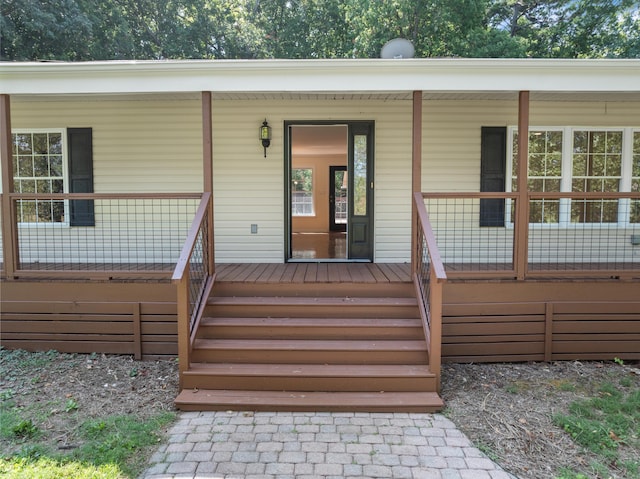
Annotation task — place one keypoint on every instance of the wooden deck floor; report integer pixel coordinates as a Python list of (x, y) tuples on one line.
[(314, 272)]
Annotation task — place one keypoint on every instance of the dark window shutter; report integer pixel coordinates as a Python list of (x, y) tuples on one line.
[(493, 161), (80, 148)]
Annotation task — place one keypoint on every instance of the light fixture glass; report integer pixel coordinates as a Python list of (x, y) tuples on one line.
[(265, 136)]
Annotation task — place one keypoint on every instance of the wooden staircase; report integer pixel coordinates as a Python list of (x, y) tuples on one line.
[(310, 347)]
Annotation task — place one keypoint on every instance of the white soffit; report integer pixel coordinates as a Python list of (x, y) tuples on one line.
[(321, 76)]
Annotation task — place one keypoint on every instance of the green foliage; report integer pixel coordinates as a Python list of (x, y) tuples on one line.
[(571, 28), (113, 447), (604, 423), (512, 389), (157, 29), (114, 440), (570, 474), (108, 449), (55, 29), (71, 405), (25, 429), (42, 468)]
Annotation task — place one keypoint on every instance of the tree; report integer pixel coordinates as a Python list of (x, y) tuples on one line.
[(51, 30), (158, 29), (571, 28), (437, 28), (303, 28)]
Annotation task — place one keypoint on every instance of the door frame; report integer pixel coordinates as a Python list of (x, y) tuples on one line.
[(333, 226), (287, 184)]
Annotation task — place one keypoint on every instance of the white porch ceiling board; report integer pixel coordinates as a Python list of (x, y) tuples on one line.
[(318, 76)]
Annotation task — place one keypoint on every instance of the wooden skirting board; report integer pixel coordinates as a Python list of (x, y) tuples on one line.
[(483, 320)]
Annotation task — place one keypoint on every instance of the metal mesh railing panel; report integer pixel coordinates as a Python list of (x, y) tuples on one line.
[(198, 271), (130, 234), (466, 245), (571, 243)]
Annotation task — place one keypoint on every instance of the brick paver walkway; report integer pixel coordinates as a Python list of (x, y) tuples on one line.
[(213, 445)]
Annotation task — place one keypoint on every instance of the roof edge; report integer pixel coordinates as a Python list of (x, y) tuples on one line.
[(447, 74)]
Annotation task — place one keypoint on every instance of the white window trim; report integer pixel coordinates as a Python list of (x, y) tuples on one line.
[(567, 174), (65, 175)]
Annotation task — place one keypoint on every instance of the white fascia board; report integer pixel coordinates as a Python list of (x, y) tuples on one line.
[(363, 75)]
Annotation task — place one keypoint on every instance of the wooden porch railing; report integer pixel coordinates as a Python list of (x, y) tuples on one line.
[(428, 277), (194, 276), (130, 236), (566, 235)]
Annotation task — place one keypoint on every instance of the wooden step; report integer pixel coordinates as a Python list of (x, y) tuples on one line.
[(310, 377), (316, 328), (373, 290), (240, 400), (311, 307), (309, 351)]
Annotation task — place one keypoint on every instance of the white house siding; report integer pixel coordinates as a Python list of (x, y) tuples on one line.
[(249, 189), (139, 146), (143, 145), (153, 144), (451, 162)]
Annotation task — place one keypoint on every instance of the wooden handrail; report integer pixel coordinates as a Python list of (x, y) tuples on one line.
[(467, 194), (104, 196), (190, 304), (532, 194), (430, 238), (192, 236), (429, 297), (535, 195)]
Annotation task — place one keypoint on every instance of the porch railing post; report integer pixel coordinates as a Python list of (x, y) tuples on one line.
[(183, 317), (207, 171), (9, 225), (521, 246), (435, 337), (416, 174)]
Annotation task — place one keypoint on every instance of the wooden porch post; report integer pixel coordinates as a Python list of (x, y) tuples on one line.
[(207, 171), (521, 249), (416, 174), (9, 242)]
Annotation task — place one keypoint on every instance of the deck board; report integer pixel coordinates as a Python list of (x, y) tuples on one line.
[(275, 273)]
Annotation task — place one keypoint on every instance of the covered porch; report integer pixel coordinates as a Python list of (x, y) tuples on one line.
[(457, 274)]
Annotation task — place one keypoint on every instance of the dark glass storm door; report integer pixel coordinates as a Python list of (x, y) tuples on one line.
[(360, 194)]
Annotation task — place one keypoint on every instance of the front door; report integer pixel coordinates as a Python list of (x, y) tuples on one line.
[(329, 195)]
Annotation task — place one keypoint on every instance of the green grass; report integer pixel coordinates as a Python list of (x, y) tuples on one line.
[(47, 468), (604, 424), (115, 440), (109, 448)]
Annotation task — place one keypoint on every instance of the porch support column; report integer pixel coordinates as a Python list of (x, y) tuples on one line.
[(207, 170), (416, 174), (521, 249), (9, 231)]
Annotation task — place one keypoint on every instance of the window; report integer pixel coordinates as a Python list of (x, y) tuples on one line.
[(544, 172), (597, 167), (38, 167), (598, 160), (302, 192)]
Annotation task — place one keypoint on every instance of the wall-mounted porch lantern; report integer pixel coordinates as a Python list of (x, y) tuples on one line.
[(265, 136)]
